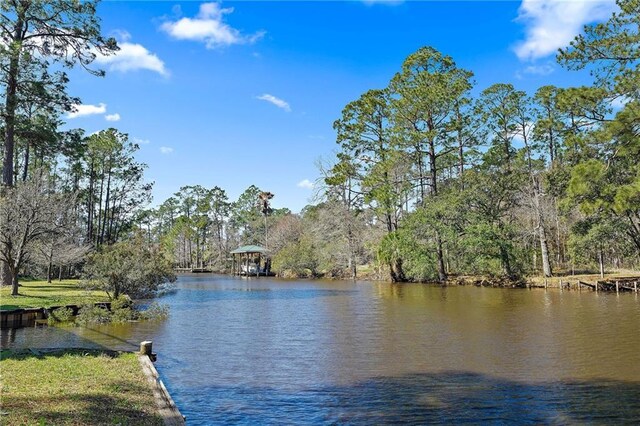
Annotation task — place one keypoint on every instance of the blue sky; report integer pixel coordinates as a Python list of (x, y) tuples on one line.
[(240, 93)]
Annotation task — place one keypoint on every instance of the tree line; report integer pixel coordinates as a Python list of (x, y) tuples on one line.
[(502, 183), (433, 181), (434, 177)]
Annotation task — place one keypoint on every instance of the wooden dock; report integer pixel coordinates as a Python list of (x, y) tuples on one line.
[(630, 284), (193, 270)]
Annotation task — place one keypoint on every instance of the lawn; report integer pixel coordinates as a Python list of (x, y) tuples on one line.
[(40, 294), (75, 387)]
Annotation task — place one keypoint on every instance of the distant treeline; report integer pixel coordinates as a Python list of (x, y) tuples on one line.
[(429, 181)]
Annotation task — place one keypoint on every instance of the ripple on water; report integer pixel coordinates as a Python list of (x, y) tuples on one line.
[(268, 351)]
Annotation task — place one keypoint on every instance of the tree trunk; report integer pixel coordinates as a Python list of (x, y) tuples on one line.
[(49, 268), (559, 256), (397, 272), (542, 234), (506, 263), (601, 262), (5, 274), (25, 169), (544, 249), (442, 272), (90, 207), (11, 104), (100, 206), (14, 282), (106, 206)]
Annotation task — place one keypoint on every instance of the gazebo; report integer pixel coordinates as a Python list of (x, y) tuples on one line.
[(247, 260)]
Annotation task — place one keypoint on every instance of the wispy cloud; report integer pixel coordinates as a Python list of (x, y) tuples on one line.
[(544, 69), (166, 150), (552, 24), (208, 26), (81, 110), (306, 184), (112, 117), (132, 57), (280, 103), (140, 141), (619, 102), (539, 70), (385, 2)]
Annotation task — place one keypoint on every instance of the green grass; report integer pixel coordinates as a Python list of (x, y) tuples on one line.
[(40, 294), (75, 387)]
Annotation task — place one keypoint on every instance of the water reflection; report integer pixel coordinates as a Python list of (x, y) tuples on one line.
[(446, 398), (237, 350)]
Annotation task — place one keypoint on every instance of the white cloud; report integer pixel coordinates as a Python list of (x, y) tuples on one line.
[(619, 102), (280, 103), (166, 150), (536, 70), (82, 110), (544, 69), (121, 35), (208, 27), (131, 57), (140, 141), (305, 183), (112, 117), (552, 24)]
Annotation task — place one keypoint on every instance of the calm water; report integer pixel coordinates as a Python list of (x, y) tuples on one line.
[(267, 351)]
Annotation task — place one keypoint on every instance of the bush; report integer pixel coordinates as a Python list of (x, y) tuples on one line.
[(297, 259), (60, 315), (128, 267), (90, 314)]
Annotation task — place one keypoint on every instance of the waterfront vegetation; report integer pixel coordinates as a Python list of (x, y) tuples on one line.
[(41, 294), (434, 178), (75, 387)]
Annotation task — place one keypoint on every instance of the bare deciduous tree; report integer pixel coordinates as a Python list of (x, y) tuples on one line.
[(28, 214)]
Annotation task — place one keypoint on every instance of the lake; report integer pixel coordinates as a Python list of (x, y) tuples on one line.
[(270, 351)]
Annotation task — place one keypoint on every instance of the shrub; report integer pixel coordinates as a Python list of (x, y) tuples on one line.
[(60, 315), (128, 267), (90, 314)]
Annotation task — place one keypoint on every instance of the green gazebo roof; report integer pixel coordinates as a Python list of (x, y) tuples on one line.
[(249, 249)]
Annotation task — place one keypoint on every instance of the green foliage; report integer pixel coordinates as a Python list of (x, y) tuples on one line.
[(296, 258), (60, 316), (417, 259), (129, 267), (91, 314), (611, 49), (122, 310), (597, 236)]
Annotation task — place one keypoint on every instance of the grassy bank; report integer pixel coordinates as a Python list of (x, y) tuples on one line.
[(40, 294), (73, 387)]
